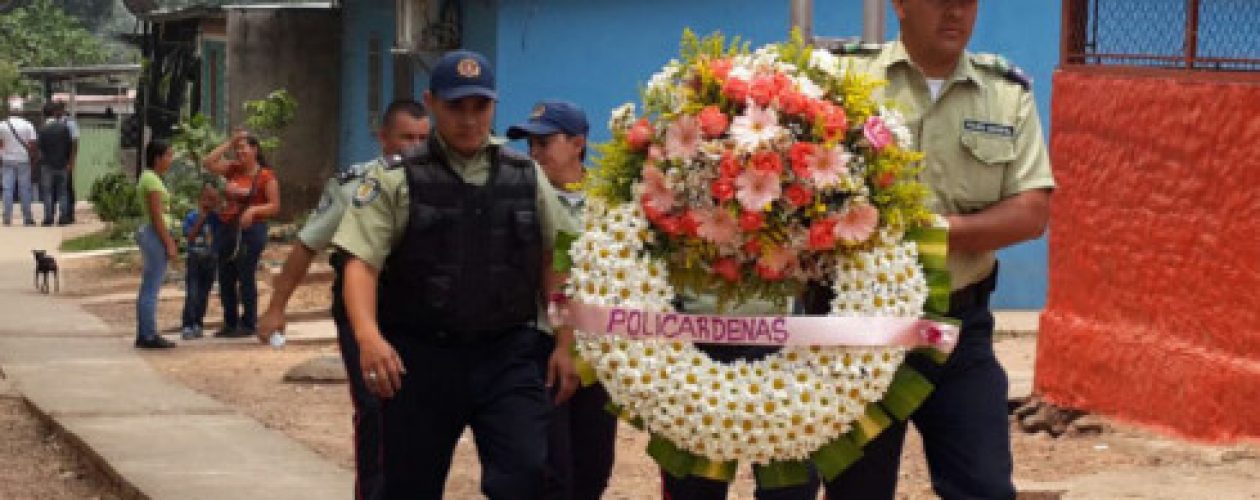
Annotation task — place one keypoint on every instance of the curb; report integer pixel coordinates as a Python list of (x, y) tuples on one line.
[(98, 465)]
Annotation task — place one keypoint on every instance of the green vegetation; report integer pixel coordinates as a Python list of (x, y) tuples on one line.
[(43, 34)]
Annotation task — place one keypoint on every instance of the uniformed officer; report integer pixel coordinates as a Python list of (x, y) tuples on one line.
[(405, 125), (450, 258), (582, 434), (986, 163)]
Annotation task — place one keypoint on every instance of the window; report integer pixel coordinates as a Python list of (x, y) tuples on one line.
[(1196, 35)]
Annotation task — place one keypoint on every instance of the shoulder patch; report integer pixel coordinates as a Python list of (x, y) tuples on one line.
[(368, 190), (998, 64)]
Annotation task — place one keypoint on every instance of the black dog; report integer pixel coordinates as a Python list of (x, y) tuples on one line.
[(44, 265)]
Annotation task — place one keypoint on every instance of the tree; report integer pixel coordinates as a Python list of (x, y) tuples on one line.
[(42, 34)]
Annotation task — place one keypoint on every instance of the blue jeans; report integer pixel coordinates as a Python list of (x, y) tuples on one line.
[(154, 254), (54, 187), (237, 285), (202, 264), (16, 177)]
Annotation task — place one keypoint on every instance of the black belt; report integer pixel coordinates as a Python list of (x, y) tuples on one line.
[(975, 294), (451, 338)]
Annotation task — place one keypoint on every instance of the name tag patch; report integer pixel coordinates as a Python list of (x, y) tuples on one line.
[(990, 128)]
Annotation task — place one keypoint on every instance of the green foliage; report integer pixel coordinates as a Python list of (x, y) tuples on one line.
[(195, 138), (114, 198), (43, 34), (269, 116)]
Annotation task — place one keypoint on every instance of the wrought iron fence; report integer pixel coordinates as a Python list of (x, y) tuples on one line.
[(1203, 35)]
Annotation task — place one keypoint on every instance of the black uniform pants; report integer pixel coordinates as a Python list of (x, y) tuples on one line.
[(495, 387), (698, 488), (581, 443), (963, 423), (369, 477)]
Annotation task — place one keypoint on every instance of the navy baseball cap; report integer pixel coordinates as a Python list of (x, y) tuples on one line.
[(549, 117), (460, 74)]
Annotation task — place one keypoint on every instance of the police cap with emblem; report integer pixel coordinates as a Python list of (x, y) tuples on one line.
[(550, 117), (460, 74)]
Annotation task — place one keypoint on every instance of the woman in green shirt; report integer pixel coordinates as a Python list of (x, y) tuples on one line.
[(157, 247)]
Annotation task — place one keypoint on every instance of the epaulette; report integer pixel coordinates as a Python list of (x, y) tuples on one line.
[(852, 47), (513, 155), (413, 154), (1002, 67), (351, 173)]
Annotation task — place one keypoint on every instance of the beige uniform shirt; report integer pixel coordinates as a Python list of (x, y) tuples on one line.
[(981, 137), (377, 216)]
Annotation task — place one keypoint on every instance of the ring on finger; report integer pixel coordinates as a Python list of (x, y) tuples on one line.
[(371, 375)]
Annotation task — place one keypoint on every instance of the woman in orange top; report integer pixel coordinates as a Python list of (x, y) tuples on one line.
[(253, 196)]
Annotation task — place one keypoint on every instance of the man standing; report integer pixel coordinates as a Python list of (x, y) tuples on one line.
[(404, 126), (582, 434), (449, 259), (19, 150), (58, 147), (975, 119)]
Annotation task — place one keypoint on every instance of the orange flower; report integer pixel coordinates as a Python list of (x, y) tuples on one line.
[(767, 161), (804, 156), (822, 235), (713, 121), (640, 135), (721, 68), (798, 195), (735, 90), (728, 269), (751, 221)]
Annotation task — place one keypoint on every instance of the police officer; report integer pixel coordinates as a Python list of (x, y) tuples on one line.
[(582, 434), (449, 261), (405, 125), (986, 163)]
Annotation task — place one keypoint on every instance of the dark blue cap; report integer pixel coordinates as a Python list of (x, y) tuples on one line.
[(462, 73), (549, 117)]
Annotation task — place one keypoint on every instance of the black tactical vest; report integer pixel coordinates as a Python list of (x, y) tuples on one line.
[(470, 261)]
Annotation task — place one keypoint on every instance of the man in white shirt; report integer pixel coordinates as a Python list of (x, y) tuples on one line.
[(18, 151)]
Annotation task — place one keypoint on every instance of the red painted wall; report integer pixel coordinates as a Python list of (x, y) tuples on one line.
[(1153, 314)]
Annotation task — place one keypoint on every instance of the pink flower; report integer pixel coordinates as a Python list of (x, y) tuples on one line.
[(858, 223), (682, 138), (640, 135), (756, 126), (757, 188), (718, 226), (656, 192), (831, 167), (713, 121), (877, 132), (774, 262)]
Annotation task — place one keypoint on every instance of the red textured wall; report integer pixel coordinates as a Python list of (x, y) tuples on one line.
[(1153, 314)]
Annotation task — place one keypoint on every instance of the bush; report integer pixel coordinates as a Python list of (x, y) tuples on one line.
[(114, 197)]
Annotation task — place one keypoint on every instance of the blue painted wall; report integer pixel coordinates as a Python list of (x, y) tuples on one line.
[(598, 52), (361, 20)]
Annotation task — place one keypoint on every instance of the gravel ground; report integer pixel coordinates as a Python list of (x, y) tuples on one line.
[(36, 464)]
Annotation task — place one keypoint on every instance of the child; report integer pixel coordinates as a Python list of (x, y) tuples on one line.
[(199, 227)]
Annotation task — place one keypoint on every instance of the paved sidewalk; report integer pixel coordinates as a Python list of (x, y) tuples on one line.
[(156, 437)]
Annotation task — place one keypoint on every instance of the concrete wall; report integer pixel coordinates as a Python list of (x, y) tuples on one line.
[(297, 50), (361, 20), (599, 52), (1154, 262)]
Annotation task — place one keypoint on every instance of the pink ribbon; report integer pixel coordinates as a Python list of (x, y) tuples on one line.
[(865, 331)]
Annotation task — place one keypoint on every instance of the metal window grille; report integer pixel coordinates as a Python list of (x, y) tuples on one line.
[(1195, 35)]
